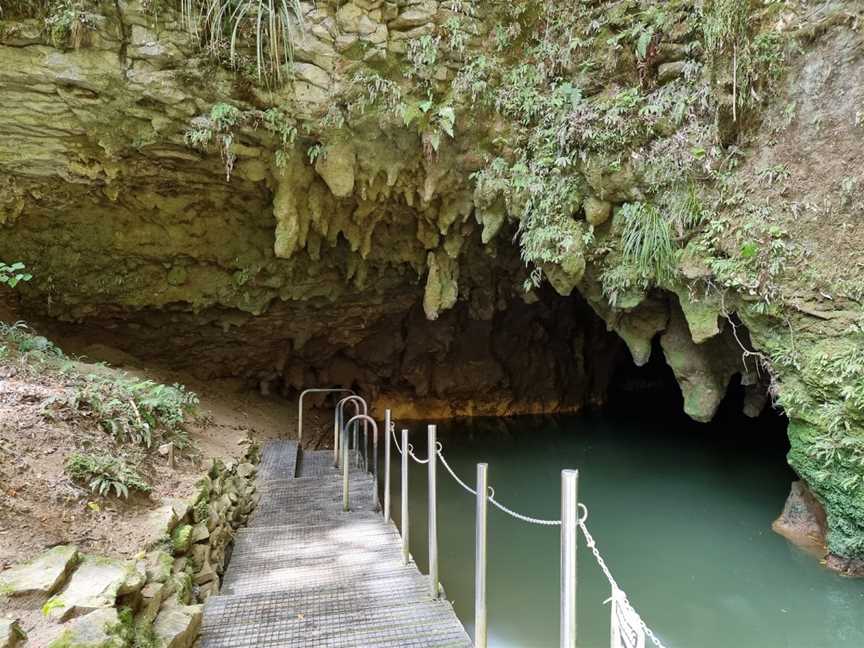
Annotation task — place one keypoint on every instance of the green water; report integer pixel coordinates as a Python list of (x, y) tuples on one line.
[(681, 512)]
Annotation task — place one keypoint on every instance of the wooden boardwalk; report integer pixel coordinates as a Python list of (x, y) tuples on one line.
[(305, 574)]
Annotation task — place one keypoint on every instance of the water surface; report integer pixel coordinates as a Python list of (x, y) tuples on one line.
[(681, 511)]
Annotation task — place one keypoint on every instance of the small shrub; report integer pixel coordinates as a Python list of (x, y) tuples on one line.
[(68, 24), (13, 274), (104, 474), (134, 410)]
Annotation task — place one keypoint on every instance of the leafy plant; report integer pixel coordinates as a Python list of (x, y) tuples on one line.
[(270, 24), (647, 242), (68, 23), (105, 474), (134, 410), (755, 61), (225, 120), (13, 274)]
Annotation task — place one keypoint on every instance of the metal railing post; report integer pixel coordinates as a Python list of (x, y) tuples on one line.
[(337, 432), (300, 407), (480, 631), (569, 531), (405, 532), (387, 434), (357, 443), (375, 461), (346, 464), (365, 446), (345, 468), (433, 511), (360, 407)]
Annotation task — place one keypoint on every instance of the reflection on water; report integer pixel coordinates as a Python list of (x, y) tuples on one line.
[(681, 511)]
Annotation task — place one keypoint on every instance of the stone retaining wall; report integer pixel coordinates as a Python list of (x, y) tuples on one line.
[(66, 599)]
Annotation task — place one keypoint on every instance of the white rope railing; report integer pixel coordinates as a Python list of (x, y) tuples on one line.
[(414, 457), (520, 516), (499, 505), (395, 441), (627, 625), (453, 474), (628, 630)]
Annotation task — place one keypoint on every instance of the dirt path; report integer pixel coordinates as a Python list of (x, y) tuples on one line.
[(41, 507)]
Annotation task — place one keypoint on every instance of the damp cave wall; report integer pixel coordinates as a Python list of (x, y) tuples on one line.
[(391, 247)]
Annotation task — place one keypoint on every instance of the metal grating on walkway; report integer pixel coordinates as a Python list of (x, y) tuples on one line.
[(278, 461), (306, 574)]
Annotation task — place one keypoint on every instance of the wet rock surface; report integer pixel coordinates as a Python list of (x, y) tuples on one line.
[(803, 519)]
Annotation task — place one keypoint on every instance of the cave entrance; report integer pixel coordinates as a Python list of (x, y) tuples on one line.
[(652, 395), (681, 511)]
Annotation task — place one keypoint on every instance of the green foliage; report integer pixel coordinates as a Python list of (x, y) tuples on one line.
[(620, 281), (224, 122), (755, 62), (688, 212), (51, 604), (726, 24), (180, 538), (131, 409), (826, 391), (134, 634), (18, 337), (105, 474), (68, 23), (431, 122), (13, 274), (422, 56), (774, 174), (647, 243), (134, 410), (269, 25)]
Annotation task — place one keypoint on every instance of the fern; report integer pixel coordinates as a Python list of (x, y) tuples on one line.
[(105, 474)]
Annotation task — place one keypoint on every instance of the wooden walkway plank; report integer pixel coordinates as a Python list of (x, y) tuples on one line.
[(306, 574)]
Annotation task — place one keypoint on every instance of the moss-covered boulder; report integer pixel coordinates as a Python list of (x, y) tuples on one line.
[(42, 575)]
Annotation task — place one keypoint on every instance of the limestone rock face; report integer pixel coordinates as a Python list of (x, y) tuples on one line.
[(336, 167), (638, 326), (93, 630), (177, 626), (95, 584), (702, 371), (803, 519), (442, 285), (597, 211), (42, 575), (354, 241)]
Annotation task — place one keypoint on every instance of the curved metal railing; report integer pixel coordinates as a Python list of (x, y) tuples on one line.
[(360, 407), (627, 627), (314, 390)]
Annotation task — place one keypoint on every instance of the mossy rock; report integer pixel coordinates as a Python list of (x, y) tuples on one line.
[(99, 629), (42, 575), (181, 539)]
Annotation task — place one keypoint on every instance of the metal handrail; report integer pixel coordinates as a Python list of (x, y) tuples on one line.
[(366, 419), (318, 390), (360, 407), (484, 494)]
